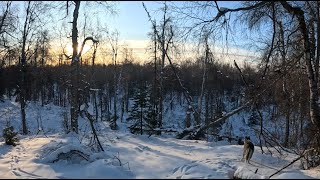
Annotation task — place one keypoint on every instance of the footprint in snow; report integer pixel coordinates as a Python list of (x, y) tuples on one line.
[(183, 169), (142, 148), (138, 149)]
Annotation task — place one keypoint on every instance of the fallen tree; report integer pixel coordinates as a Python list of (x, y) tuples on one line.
[(195, 133)]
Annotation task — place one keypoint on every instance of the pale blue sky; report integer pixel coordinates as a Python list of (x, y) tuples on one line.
[(132, 20), (133, 24)]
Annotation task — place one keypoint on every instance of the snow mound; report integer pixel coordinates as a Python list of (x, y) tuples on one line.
[(68, 148), (244, 173), (75, 157), (74, 153)]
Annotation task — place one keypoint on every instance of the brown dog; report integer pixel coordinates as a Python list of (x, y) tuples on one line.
[(248, 149)]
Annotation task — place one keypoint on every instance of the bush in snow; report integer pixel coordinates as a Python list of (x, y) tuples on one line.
[(10, 136)]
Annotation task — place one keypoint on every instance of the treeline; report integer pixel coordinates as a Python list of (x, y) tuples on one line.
[(43, 82), (51, 84)]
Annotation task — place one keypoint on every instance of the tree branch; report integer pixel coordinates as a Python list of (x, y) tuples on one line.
[(84, 42), (291, 162), (223, 11)]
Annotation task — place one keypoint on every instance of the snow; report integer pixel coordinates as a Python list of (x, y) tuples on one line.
[(126, 155), (293, 175), (245, 173)]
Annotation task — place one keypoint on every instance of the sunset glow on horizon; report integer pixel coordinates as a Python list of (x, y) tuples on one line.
[(86, 48), (134, 29)]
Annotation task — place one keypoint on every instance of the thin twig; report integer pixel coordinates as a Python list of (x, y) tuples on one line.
[(291, 162)]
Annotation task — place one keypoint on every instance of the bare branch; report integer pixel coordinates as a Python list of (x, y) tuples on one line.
[(301, 156), (67, 56), (84, 42), (223, 11), (272, 42)]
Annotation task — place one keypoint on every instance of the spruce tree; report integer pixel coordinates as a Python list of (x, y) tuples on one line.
[(10, 136), (254, 118), (141, 112)]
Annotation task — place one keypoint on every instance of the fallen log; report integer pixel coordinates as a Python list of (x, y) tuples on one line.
[(195, 133)]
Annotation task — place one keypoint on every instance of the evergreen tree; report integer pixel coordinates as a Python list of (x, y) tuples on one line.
[(254, 118), (141, 113), (10, 136)]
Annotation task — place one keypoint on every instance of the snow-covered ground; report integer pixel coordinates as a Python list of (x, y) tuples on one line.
[(126, 155)]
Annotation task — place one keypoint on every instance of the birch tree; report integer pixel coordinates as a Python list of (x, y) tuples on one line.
[(75, 63), (114, 40), (31, 10), (163, 35)]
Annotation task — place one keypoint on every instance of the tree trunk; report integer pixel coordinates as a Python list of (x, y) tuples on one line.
[(100, 102), (155, 82), (23, 72), (204, 77), (287, 129), (311, 69), (115, 116), (127, 97), (114, 45), (74, 111), (301, 109), (285, 92), (141, 117), (163, 56), (206, 114), (95, 105), (23, 100)]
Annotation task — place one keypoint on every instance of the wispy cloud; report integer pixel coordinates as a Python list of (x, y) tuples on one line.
[(226, 55)]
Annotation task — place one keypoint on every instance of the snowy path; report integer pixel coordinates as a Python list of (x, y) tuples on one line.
[(153, 157), (156, 157), (174, 159)]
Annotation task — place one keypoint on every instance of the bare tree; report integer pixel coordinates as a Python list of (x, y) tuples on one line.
[(114, 40), (155, 84), (7, 26), (163, 35), (76, 56), (75, 72), (29, 22), (165, 39)]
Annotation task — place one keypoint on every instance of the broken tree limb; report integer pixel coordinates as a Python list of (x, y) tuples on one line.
[(91, 119), (84, 42), (195, 133)]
